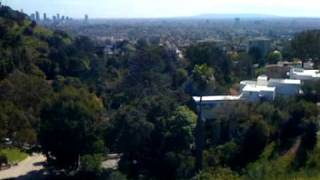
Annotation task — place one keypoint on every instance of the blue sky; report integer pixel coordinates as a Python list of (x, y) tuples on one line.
[(167, 8)]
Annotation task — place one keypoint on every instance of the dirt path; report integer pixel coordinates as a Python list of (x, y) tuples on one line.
[(26, 169), (295, 147)]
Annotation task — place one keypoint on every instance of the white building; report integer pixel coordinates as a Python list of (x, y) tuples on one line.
[(281, 87), (252, 91), (211, 102), (308, 65), (216, 101), (286, 87), (255, 93), (302, 74)]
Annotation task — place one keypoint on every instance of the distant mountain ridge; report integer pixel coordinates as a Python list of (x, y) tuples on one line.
[(228, 16)]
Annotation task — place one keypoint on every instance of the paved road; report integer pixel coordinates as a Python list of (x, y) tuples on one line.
[(27, 169), (32, 167), (112, 162)]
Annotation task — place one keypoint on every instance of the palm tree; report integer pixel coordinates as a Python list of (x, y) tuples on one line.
[(202, 75)]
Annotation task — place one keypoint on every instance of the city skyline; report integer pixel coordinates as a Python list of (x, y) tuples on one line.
[(38, 16), (167, 8)]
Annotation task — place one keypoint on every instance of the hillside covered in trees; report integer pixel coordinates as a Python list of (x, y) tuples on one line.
[(63, 95)]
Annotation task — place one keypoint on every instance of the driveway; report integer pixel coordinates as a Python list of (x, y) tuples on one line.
[(112, 162), (29, 168)]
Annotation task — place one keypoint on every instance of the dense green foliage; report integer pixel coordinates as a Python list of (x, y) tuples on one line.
[(13, 155), (69, 126), (275, 57), (270, 141), (312, 91), (78, 104), (213, 56), (306, 45)]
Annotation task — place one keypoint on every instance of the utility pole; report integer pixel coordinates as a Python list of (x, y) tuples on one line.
[(199, 139)]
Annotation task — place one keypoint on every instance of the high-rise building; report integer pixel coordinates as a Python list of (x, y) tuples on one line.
[(33, 17), (45, 16), (54, 18), (237, 20), (86, 18), (37, 16), (58, 17)]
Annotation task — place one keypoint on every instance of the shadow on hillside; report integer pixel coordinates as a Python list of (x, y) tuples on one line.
[(42, 174)]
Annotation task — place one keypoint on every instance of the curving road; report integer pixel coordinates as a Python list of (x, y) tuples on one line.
[(29, 168)]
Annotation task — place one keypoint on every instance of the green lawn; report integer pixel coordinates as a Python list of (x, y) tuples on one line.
[(14, 155)]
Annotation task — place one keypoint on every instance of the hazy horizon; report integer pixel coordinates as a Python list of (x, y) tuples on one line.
[(166, 8)]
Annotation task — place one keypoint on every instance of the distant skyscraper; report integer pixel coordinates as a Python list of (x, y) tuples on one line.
[(86, 18), (58, 17), (54, 18), (237, 20), (33, 17), (45, 16), (37, 16)]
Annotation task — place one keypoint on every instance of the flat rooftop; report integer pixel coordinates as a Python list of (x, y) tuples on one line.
[(253, 88), (286, 81), (282, 81), (303, 72), (216, 98), (248, 82)]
